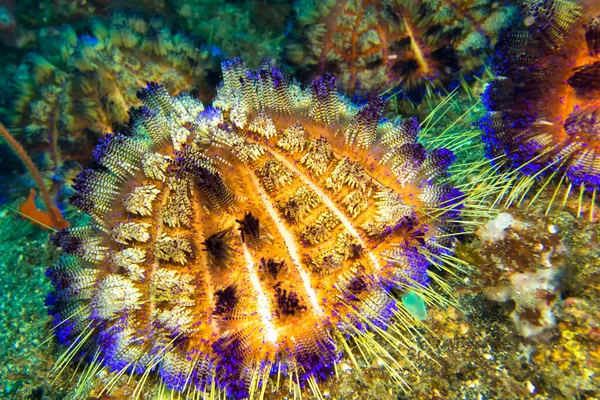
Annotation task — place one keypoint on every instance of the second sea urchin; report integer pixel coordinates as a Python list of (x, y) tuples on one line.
[(267, 235), (544, 106)]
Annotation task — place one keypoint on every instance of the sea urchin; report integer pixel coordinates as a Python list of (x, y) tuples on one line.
[(544, 106), (264, 235)]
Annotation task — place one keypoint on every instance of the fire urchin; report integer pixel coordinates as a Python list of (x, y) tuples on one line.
[(261, 236)]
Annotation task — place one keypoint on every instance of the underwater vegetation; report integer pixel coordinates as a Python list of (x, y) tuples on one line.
[(372, 46), (544, 113), (265, 235), (64, 98), (237, 28)]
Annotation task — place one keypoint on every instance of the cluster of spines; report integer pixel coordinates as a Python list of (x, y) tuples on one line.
[(526, 130), (113, 307)]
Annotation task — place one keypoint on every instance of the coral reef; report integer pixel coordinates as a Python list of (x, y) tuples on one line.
[(63, 99), (374, 45), (544, 104), (265, 235)]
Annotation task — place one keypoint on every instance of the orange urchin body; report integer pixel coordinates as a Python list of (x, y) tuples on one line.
[(253, 238)]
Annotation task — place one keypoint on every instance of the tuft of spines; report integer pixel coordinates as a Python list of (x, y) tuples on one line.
[(399, 132), (173, 286), (95, 193), (114, 294), (120, 154), (140, 200), (362, 130), (124, 232), (551, 20), (131, 259), (318, 230), (405, 161), (178, 209), (347, 172), (201, 169), (318, 156), (297, 206), (324, 99), (293, 139), (263, 125), (275, 176), (176, 249), (81, 241), (71, 281)]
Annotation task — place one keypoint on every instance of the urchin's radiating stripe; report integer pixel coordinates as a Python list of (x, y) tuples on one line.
[(153, 263), (263, 302), (330, 204), (290, 243)]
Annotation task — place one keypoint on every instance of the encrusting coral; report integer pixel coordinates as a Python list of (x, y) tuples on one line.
[(543, 106), (520, 259), (264, 235), (375, 45), (63, 99)]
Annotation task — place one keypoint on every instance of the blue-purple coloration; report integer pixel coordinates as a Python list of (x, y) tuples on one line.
[(323, 86)]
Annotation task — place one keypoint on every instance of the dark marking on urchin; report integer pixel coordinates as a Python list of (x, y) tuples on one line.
[(249, 227), (226, 301), (586, 79), (216, 245), (356, 286), (271, 266), (288, 303), (69, 243), (356, 251)]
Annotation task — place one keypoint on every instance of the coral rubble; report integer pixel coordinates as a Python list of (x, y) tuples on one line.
[(522, 261), (374, 45), (264, 235)]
